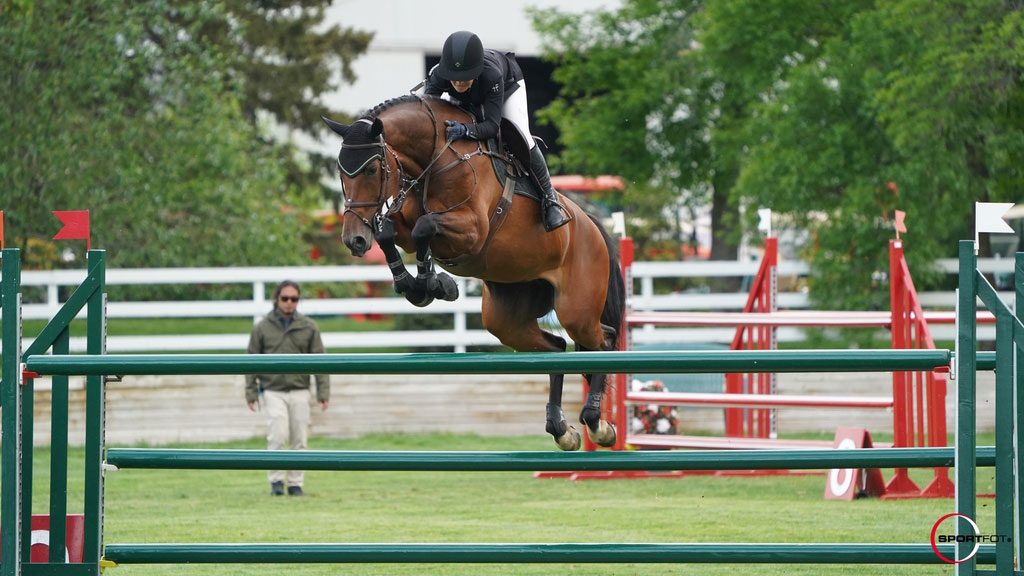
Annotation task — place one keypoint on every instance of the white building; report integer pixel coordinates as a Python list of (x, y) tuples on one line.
[(409, 33)]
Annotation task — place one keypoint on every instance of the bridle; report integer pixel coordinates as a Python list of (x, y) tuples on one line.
[(387, 205)]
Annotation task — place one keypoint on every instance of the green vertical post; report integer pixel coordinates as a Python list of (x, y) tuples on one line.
[(10, 397), (59, 455), (966, 346), (27, 442), (95, 401), (1018, 282), (1004, 440)]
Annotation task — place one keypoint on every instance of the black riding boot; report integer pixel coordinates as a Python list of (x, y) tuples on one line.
[(552, 212)]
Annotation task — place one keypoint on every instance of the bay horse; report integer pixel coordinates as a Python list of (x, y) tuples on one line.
[(406, 185)]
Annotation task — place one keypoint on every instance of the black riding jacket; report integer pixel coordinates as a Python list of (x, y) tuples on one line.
[(485, 99)]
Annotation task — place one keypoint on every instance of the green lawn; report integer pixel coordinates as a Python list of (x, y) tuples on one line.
[(234, 506)]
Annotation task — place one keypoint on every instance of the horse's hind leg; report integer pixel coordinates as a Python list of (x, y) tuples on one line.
[(601, 432), (580, 315), (566, 437), (510, 312), (427, 279)]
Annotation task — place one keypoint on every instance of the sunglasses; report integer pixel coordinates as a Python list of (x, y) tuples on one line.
[(289, 298)]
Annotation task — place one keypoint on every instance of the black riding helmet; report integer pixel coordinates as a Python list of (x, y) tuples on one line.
[(462, 57)]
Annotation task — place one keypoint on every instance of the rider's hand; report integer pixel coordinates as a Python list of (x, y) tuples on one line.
[(456, 130)]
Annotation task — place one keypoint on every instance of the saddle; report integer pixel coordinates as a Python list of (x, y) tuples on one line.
[(510, 156)]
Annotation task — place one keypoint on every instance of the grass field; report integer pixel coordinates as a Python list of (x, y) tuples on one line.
[(235, 506)]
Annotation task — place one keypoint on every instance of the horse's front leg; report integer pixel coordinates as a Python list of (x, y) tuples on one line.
[(405, 284), (437, 285)]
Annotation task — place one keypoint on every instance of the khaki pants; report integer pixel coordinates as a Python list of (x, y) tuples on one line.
[(287, 427)]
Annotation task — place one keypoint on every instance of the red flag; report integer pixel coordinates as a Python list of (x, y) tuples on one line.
[(76, 226), (900, 226)]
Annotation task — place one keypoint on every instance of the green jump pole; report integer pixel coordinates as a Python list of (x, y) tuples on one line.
[(95, 410), (1018, 277), (193, 459), (966, 440), (10, 398), (534, 553), (681, 362)]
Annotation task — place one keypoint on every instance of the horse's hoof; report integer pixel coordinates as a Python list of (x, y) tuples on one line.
[(605, 435), (570, 441), (440, 286), (418, 298), (447, 289)]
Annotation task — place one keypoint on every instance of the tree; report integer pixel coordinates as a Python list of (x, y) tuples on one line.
[(832, 114), (634, 102), (119, 107), (909, 104), (287, 59)]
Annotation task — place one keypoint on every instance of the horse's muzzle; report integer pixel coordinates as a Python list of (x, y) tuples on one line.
[(357, 244)]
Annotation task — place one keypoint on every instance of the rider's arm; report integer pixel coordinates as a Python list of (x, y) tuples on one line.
[(493, 87)]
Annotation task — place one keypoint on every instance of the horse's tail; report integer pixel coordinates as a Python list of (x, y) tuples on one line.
[(615, 301)]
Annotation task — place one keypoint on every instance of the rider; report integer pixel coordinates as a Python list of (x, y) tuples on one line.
[(490, 84)]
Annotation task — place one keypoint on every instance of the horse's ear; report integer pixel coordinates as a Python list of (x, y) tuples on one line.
[(338, 128), (377, 129)]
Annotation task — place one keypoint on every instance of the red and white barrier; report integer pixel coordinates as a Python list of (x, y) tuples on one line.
[(917, 402)]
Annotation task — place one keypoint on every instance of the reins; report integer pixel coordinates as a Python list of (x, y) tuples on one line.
[(386, 206)]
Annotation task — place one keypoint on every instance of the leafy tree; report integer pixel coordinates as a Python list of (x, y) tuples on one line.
[(125, 109), (832, 114), (907, 105), (287, 58), (635, 102)]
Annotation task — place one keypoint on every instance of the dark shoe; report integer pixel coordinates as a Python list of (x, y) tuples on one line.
[(552, 213), (295, 491), (277, 488)]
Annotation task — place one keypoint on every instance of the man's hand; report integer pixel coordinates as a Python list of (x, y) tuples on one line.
[(456, 130), (323, 405), (252, 406)]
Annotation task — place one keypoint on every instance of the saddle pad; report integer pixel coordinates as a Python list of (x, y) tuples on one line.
[(524, 186)]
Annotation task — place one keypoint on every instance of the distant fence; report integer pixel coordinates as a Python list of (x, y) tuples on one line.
[(459, 336)]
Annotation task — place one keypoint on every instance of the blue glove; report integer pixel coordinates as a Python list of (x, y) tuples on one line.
[(456, 130)]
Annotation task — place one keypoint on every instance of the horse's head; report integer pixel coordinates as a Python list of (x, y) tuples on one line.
[(362, 167)]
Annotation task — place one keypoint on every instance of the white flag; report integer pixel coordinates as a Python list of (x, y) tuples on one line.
[(764, 223), (619, 224), (989, 217)]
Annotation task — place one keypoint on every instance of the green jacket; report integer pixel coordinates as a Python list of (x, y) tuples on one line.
[(269, 336)]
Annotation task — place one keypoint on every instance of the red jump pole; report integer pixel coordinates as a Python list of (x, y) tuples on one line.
[(622, 380), (903, 415)]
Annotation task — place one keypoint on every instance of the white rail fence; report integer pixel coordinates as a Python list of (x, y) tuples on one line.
[(459, 337)]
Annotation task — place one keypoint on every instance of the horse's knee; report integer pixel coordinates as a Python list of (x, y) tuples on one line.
[(424, 230)]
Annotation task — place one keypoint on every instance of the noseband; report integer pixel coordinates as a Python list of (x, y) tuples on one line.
[(386, 206)]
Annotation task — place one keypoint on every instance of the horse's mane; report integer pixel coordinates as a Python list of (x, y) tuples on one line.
[(392, 102)]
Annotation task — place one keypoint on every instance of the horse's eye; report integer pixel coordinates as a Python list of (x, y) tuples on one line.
[(371, 169)]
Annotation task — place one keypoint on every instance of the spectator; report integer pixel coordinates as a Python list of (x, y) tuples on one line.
[(286, 397)]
